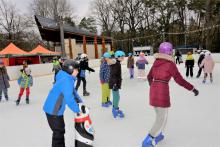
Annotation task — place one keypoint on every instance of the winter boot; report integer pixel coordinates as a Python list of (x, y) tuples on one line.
[(159, 138), (117, 113), (85, 93), (27, 100), (17, 101), (148, 141)]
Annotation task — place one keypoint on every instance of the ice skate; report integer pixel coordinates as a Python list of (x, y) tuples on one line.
[(211, 80), (27, 100), (106, 105), (148, 141), (117, 113), (159, 138), (204, 81), (109, 103), (17, 102), (85, 93)]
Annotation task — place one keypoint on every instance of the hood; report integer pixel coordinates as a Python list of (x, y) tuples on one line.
[(61, 74), (162, 59)]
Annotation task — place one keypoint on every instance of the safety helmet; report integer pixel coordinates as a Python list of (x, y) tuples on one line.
[(69, 65)]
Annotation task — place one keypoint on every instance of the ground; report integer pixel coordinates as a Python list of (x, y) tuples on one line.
[(192, 121)]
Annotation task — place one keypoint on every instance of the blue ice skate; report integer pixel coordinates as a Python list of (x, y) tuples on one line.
[(148, 141), (109, 103), (117, 113), (203, 81), (159, 138), (106, 105)]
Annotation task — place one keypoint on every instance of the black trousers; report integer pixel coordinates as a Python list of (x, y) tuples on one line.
[(79, 79), (57, 125), (189, 69), (177, 60), (199, 72)]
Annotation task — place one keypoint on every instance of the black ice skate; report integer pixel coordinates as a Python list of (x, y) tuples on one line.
[(27, 100), (17, 102), (84, 135), (85, 93)]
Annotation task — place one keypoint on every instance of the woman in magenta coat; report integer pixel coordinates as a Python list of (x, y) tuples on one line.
[(163, 69)]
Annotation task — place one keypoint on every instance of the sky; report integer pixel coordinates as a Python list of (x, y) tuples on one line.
[(80, 6)]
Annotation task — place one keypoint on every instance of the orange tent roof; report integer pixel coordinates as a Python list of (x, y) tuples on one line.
[(14, 50), (41, 50)]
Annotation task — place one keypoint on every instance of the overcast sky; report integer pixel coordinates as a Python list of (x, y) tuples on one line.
[(81, 6)]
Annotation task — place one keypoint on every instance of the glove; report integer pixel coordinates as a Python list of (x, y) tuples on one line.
[(196, 92), (114, 87), (92, 70), (102, 82)]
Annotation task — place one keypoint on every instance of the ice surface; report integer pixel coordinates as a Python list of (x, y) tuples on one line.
[(192, 121)]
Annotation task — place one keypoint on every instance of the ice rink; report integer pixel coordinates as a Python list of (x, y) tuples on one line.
[(192, 121)]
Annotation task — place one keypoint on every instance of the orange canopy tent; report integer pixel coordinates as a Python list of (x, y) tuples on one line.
[(43, 51), (12, 55)]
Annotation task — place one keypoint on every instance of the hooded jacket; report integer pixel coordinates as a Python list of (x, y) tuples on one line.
[(63, 93), (159, 76)]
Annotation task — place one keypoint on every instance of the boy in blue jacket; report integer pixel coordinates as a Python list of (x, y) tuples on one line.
[(63, 93)]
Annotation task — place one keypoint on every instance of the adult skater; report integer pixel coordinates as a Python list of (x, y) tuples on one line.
[(208, 64), (201, 57), (130, 65), (63, 93), (189, 64), (178, 57), (4, 81), (163, 69), (84, 65), (104, 76), (115, 82)]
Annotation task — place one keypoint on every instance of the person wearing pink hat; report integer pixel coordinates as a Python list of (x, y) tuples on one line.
[(4, 81), (163, 69)]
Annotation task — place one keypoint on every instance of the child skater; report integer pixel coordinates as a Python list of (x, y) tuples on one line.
[(189, 64), (201, 57), (115, 82), (141, 66), (130, 65), (208, 64), (163, 69), (25, 82), (4, 81), (63, 93), (104, 79)]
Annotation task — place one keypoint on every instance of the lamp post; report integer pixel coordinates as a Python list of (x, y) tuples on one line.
[(62, 37)]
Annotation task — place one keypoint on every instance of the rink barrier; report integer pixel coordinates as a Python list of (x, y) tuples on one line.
[(46, 69)]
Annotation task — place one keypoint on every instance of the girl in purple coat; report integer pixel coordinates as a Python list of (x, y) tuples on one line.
[(141, 66), (163, 69)]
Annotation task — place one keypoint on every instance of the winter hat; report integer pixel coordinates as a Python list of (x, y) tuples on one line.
[(119, 54), (106, 55), (130, 54), (69, 65), (166, 48)]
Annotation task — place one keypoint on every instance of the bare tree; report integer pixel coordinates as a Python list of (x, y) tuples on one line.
[(104, 15), (52, 8)]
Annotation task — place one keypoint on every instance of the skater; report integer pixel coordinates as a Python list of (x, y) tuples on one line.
[(178, 57), (201, 57), (140, 63), (130, 65), (4, 81), (84, 65), (25, 81), (115, 82), (24, 65), (56, 67), (62, 94), (163, 69), (104, 80), (208, 65), (189, 64)]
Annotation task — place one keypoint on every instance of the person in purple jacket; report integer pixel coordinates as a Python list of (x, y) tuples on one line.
[(140, 63)]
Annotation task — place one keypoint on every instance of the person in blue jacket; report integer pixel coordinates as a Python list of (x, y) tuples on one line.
[(63, 93)]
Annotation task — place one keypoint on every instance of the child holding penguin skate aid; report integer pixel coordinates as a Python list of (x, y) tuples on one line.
[(63, 93), (115, 82), (163, 69)]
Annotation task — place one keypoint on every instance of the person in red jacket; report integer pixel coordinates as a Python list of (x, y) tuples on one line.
[(163, 69)]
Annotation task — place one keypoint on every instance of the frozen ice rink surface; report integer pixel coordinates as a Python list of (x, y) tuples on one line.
[(192, 121)]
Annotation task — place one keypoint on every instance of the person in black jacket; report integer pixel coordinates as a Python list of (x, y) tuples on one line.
[(201, 57), (178, 57), (4, 81), (84, 65), (115, 81)]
